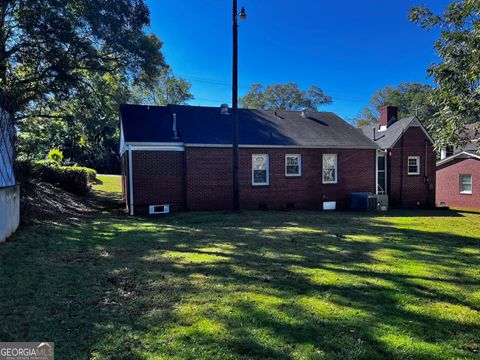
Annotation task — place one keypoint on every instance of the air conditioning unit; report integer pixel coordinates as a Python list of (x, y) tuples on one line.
[(382, 202), (159, 209), (365, 201)]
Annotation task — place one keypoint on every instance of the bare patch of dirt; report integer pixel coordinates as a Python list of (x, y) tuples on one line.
[(42, 202)]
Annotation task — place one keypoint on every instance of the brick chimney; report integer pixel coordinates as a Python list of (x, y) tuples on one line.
[(388, 115)]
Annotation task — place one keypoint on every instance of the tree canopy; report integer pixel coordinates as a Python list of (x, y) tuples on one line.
[(284, 97), (457, 73), (85, 127), (65, 66), (167, 89), (410, 98), (47, 48)]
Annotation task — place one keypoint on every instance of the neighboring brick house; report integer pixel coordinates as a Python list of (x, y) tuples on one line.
[(458, 174), (181, 156), (408, 156)]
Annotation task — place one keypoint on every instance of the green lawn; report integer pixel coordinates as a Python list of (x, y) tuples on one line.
[(284, 285)]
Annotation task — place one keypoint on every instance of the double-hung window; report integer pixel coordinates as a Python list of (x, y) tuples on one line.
[(465, 184), (330, 168), (293, 165), (260, 170), (413, 165)]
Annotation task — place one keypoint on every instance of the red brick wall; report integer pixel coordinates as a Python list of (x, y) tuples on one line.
[(208, 178), (448, 184), (416, 191), (158, 178)]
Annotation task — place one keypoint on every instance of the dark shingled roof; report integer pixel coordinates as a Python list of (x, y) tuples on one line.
[(472, 134), (206, 125), (387, 138), (146, 123)]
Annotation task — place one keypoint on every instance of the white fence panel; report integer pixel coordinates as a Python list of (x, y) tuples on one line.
[(9, 211)]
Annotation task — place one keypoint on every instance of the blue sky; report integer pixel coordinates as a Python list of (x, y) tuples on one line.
[(348, 48)]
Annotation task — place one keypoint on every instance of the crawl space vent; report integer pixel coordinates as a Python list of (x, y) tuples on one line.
[(158, 209)]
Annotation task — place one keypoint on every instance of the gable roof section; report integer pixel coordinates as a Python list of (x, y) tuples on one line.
[(460, 155), (387, 139), (472, 137), (206, 126)]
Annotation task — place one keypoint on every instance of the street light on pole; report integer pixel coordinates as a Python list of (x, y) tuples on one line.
[(242, 15)]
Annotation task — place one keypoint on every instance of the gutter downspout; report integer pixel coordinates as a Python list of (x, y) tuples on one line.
[(426, 177), (426, 161), (130, 179), (401, 169)]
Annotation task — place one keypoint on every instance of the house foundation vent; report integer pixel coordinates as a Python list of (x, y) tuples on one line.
[(329, 205), (159, 209)]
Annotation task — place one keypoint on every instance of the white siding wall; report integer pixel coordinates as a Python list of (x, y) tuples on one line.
[(9, 191), (7, 177), (9, 211)]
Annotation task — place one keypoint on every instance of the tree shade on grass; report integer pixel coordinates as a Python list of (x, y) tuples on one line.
[(285, 285)]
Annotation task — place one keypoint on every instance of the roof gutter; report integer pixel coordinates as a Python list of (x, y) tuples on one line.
[(263, 146)]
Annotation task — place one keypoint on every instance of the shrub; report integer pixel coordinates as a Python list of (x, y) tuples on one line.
[(55, 155), (23, 170), (47, 170), (91, 173), (75, 179)]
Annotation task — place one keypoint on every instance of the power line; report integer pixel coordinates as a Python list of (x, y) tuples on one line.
[(228, 84)]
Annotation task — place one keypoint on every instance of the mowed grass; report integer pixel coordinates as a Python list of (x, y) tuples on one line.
[(254, 285)]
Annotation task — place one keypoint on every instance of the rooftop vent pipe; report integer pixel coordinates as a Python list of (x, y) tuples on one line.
[(304, 113), (175, 133), (224, 109)]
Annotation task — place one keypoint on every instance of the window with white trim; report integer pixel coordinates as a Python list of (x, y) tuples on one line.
[(413, 165), (293, 165), (465, 184), (260, 169), (329, 169)]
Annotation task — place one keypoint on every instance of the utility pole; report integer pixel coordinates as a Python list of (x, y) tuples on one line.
[(235, 182)]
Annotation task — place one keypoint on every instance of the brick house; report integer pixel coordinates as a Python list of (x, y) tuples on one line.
[(180, 156), (458, 174), (408, 155)]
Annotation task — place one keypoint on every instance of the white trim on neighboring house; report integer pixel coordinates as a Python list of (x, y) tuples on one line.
[(414, 122), (454, 156), (466, 192), (130, 179)]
